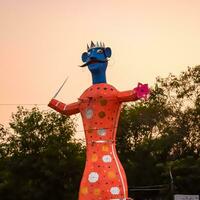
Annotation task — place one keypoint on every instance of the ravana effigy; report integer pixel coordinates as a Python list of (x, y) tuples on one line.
[(104, 177)]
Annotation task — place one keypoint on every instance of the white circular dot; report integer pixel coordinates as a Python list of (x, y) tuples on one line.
[(107, 158), (102, 131), (114, 190), (89, 113), (93, 177)]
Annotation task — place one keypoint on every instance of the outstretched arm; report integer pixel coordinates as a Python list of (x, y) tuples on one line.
[(126, 96), (69, 109), (141, 91)]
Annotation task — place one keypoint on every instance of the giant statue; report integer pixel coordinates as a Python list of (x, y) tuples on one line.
[(100, 104)]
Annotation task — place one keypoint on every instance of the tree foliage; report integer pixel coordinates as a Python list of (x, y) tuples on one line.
[(39, 157), (164, 133)]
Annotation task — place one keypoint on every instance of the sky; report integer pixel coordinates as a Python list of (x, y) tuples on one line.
[(41, 42)]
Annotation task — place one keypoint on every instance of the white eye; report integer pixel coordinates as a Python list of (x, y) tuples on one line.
[(99, 51)]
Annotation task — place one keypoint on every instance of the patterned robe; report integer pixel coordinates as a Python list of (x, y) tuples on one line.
[(104, 177)]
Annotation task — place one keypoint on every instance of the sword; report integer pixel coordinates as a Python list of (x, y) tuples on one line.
[(60, 87)]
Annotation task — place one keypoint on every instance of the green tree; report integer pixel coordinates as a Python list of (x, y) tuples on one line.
[(40, 159), (162, 133)]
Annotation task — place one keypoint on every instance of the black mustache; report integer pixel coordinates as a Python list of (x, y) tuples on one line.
[(93, 61)]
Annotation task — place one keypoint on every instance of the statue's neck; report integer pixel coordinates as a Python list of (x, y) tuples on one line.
[(98, 77)]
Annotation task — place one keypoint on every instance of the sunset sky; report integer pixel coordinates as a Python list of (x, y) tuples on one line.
[(41, 42)]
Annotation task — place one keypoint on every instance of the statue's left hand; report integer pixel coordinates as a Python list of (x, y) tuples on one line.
[(142, 91)]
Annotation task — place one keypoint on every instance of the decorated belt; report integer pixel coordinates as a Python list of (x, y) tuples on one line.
[(101, 141)]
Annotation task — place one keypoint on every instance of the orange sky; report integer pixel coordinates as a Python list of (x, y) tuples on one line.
[(41, 42)]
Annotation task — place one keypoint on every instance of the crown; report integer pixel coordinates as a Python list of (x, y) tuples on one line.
[(92, 45)]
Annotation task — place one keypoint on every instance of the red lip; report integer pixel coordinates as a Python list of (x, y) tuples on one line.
[(93, 61)]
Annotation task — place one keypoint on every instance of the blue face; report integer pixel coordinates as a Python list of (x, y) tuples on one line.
[(96, 60)]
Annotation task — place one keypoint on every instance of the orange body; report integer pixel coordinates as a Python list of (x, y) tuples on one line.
[(104, 177)]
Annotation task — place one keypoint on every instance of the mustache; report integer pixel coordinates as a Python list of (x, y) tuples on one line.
[(92, 61)]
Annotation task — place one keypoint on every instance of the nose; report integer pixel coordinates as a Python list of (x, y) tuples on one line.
[(92, 58)]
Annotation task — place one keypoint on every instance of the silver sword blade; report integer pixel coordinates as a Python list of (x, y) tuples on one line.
[(60, 87)]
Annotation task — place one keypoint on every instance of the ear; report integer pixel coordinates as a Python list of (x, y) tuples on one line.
[(84, 56), (108, 52)]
